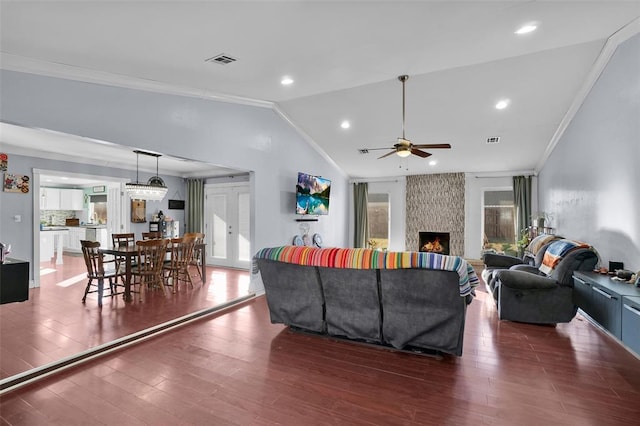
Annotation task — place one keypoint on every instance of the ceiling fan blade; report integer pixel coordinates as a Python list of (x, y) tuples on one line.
[(376, 149), (433, 145), (420, 153), (388, 154)]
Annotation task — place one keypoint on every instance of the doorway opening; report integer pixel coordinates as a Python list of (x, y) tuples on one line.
[(58, 231)]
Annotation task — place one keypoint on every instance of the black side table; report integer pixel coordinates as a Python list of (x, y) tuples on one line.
[(14, 281)]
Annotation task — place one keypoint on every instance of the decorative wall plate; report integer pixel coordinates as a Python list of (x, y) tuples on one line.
[(317, 240), (297, 241)]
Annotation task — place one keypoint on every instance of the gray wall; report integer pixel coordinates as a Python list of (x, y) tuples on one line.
[(243, 137), (591, 181)]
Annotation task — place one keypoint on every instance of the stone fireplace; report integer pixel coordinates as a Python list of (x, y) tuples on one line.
[(434, 242), (435, 202)]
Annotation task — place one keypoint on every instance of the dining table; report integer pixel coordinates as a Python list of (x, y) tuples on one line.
[(129, 253)]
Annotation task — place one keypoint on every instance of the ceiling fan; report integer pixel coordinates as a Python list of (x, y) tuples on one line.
[(404, 147)]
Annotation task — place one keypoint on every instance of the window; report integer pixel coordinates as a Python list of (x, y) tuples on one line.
[(378, 212), (499, 222)]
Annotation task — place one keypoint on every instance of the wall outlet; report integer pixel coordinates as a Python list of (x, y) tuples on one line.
[(17, 218)]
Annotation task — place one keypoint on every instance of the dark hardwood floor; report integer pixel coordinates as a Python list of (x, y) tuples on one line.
[(54, 324), (237, 368)]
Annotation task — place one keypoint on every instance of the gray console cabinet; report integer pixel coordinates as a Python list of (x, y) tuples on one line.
[(601, 298), (631, 322)]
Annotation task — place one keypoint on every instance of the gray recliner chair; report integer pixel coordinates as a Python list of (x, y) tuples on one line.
[(525, 294), (532, 256)]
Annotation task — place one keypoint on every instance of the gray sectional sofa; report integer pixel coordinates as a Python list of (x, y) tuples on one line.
[(415, 309)]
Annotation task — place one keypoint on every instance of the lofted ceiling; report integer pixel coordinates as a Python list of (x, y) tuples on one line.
[(344, 58)]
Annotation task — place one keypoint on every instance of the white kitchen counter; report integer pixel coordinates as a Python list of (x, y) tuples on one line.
[(51, 239)]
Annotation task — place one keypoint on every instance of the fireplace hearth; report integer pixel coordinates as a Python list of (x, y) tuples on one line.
[(434, 242)]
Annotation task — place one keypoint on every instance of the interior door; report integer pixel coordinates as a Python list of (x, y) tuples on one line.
[(116, 223), (227, 225)]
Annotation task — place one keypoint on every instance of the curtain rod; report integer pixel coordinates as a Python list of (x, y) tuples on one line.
[(502, 174)]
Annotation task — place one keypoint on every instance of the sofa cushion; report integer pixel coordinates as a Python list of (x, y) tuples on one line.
[(352, 303), (297, 300)]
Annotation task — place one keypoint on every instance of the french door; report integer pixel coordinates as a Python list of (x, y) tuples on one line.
[(227, 225)]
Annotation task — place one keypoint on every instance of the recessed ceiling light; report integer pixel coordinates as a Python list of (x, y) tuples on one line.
[(286, 81), (525, 29), (433, 162), (345, 124), (502, 104)]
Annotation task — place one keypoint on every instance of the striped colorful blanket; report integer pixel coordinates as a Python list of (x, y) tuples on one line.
[(556, 251), (362, 258)]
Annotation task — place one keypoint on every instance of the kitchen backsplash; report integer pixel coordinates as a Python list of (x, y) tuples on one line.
[(56, 217)]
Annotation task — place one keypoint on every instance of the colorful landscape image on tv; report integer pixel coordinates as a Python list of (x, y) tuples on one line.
[(312, 195)]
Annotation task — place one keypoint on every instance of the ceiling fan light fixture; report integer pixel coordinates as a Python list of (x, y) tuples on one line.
[(403, 152), (404, 147)]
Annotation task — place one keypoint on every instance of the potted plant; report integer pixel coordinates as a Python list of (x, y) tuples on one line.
[(523, 242)]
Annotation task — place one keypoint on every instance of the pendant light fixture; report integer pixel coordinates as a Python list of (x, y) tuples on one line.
[(153, 190)]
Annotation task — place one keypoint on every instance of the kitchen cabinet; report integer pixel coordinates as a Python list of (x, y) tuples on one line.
[(98, 234), (49, 199), (72, 242), (61, 199), (71, 199)]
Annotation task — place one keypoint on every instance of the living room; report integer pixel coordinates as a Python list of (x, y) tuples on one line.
[(587, 177)]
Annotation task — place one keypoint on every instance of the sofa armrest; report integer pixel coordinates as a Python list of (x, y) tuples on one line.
[(524, 280), (492, 260), (527, 268)]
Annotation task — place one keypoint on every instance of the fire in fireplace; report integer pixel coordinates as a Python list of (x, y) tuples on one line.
[(434, 242)]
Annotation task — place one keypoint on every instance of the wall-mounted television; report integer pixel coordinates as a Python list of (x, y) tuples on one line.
[(312, 195)]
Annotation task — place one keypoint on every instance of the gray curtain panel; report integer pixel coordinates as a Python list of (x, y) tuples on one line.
[(360, 201), (195, 205), (522, 201)]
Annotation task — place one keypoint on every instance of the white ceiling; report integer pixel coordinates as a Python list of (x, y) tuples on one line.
[(462, 57)]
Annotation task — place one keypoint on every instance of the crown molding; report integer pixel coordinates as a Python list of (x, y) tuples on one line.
[(308, 138), (53, 69), (598, 67)]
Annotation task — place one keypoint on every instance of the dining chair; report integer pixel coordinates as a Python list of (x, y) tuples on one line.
[(176, 268), (123, 240), (96, 270), (149, 261), (151, 235), (197, 251)]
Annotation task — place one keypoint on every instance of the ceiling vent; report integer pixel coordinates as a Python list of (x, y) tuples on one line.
[(493, 139), (363, 151), (221, 59)]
